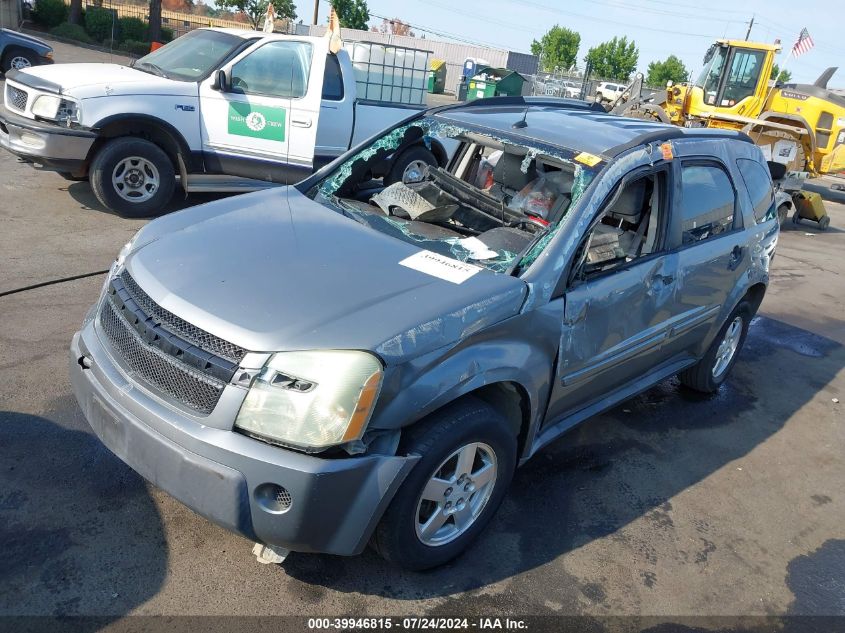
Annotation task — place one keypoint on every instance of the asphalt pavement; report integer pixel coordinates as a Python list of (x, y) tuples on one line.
[(672, 504)]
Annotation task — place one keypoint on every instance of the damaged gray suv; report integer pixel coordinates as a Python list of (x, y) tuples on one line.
[(351, 361)]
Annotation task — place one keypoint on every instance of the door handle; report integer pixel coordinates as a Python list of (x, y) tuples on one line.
[(301, 122), (736, 257)]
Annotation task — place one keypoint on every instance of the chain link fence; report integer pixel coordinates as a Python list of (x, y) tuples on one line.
[(574, 85)]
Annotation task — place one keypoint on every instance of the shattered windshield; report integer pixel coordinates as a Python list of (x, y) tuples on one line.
[(496, 202)]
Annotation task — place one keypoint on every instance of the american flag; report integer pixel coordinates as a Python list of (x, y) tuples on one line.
[(804, 43)]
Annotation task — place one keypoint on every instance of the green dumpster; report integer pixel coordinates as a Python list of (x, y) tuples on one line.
[(493, 82), (437, 76)]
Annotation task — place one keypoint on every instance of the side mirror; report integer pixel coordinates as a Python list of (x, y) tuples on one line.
[(221, 81)]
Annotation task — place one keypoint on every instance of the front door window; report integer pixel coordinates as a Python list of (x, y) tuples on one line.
[(743, 76)]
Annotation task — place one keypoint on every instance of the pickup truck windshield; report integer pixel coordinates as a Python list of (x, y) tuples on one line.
[(495, 204), (191, 57)]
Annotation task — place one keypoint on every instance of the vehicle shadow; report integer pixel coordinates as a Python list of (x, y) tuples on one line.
[(617, 467), (91, 542), (81, 192)]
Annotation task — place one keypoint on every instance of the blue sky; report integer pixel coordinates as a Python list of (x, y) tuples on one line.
[(660, 28)]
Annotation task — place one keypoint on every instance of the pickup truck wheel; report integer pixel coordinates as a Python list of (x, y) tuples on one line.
[(468, 457), (711, 371), (410, 165), (132, 176), (18, 58)]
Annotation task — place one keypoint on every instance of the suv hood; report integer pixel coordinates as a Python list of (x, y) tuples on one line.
[(276, 271), (96, 80)]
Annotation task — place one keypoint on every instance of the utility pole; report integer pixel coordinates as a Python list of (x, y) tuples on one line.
[(317, 11), (748, 32)]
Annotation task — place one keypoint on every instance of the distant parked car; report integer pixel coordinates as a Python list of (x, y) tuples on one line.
[(22, 51), (559, 88), (609, 92), (570, 89)]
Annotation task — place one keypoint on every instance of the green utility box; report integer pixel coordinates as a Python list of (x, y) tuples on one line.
[(437, 76), (495, 82)]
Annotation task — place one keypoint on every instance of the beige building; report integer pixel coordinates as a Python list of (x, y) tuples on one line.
[(10, 14)]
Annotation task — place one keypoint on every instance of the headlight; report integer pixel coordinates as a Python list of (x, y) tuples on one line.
[(46, 106), (54, 107), (312, 400)]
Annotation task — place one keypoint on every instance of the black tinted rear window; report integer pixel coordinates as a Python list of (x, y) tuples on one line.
[(708, 203), (332, 80), (759, 185)]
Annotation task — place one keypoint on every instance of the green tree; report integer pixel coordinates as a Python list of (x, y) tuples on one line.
[(558, 48), (615, 59), (660, 73), (352, 14), (255, 10), (782, 76)]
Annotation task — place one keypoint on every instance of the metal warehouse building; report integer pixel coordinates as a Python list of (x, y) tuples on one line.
[(454, 54)]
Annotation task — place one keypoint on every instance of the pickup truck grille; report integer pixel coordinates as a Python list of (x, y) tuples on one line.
[(158, 353), (16, 98)]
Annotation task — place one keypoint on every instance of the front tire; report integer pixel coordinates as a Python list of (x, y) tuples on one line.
[(468, 455), (410, 165), (132, 177), (711, 371), (18, 59)]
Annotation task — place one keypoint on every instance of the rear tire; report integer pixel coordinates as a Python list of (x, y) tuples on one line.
[(132, 177), (711, 371), (824, 222), (783, 213), (468, 426)]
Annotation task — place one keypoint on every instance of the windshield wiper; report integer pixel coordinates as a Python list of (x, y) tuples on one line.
[(156, 69)]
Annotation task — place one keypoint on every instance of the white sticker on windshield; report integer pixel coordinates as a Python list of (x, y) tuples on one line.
[(440, 266)]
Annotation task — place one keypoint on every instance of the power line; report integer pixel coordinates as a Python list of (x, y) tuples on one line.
[(685, 16), (603, 20), (438, 32)]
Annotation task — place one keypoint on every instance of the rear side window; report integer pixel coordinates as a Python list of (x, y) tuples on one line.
[(759, 186), (708, 203), (332, 80)]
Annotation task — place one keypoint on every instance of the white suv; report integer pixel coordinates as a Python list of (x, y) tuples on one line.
[(609, 92)]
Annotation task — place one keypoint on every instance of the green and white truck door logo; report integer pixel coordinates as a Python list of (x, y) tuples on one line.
[(257, 121)]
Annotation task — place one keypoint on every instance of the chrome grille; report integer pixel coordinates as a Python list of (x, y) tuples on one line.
[(163, 372), (180, 327), (16, 98)]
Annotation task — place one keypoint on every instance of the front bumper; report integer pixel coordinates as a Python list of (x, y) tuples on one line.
[(223, 475), (47, 145)]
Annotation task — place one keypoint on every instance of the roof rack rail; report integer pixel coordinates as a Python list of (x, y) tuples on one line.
[(669, 133), (549, 102)]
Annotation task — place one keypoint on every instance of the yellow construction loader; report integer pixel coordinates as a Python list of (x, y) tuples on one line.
[(801, 126)]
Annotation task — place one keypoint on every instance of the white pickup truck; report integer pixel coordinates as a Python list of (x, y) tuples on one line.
[(217, 110)]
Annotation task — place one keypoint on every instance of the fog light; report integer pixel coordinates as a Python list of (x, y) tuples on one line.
[(32, 140), (273, 498)]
